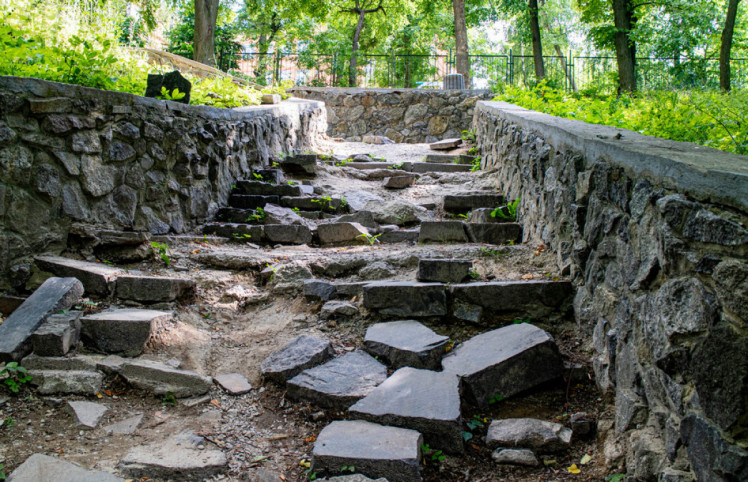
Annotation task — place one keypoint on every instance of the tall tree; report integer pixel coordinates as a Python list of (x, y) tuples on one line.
[(361, 9), (462, 54), (206, 15), (624, 21), (726, 47), (537, 46)]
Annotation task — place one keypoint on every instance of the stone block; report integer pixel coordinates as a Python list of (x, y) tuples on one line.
[(342, 233), (287, 234), (87, 414), (494, 233), (300, 164), (445, 145), (55, 105), (148, 289), (171, 81), (275, 214), (442, 232), (274, 176), (421, 400), (266, 189), (406, 343), (444, 270), (306, 203), (54, 295), (67, 382), (237, 232), (503, 362), (374, 450), (483, 216), (400, 236), (421, 167), (98, 279), (337, 309), (338, 383), (233, 383), (251, 201), (161, 379), (271, 98), (122, 331), (302, 353), (530, 298), (524, 457), (406, 298), (528, 433), (462, 203), (318, 290), (399, 182), (58, 334), (43, 468)]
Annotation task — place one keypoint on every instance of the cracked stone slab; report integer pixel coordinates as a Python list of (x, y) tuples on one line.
[(97, 278), (529, 433), (43, 468), (161, 379), (374, 450), (422, 400), (406, 343), (122, 331), (338, 383), (504, 362), (87, 414), (233, 383), (406, 298), (302, 353)]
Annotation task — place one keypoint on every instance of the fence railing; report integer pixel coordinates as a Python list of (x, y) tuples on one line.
[(427, 71)]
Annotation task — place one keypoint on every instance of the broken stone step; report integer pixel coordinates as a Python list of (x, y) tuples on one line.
[(420, 167), (302, 353), (247, 233), (338, 383), (124, 331), (161, 379), (462, 203), (442, 232), (67, 382), (287, 234), (444, 270), (43, 468), (87, 414), (149, 289), (251, 201), (445, 145), (494, 233), (342, 233), (528, 433), (406, 298), (266, 189), (97, 279), (235, 215), (406, 343), (300, 164), (349, 289), (306, 203), (399, 182), (400, 236), (422, 400), (374, 450), (54, 295), (534, 298), (498, 364), (59, 334)]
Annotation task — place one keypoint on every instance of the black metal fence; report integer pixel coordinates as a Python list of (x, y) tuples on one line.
[(487, 71)]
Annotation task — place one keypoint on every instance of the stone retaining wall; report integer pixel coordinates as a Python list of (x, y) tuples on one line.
[(653, 232), (73, 154), (403, 115)]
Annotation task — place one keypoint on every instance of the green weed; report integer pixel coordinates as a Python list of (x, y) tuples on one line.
[(160, 251), (507, 212), (14, 376), (371, 239)]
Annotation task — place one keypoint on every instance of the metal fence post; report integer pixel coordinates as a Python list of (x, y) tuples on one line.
[(510, 76)]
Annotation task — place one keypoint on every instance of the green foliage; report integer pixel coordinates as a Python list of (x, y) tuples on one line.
[(168, 399), (495, 399), (258, 216), (371, 239), (709, 118), (173, 95), (14, 376), (435, 455), (476, 164), (507, 212), (468, 136), (615, 478), (161, 251), (348, 468)]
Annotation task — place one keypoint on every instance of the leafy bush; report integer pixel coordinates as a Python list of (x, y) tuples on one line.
[(709, 118)]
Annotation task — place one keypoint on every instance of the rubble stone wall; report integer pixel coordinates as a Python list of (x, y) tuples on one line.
[(403, 115), (72, 154), (653, 233)]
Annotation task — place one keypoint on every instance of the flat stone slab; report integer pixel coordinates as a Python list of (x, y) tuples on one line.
[(78, 382), (533, 298), (302, 353), (524, 457), (304, 164), (161, 379), (97, 278), (400, 236), (406, 343), (267, 189), (178, 458), (444, 270), (149, 289), (399, 182), (122, 332), (494, 233), (318, 290), (374, 450), (287, 234), (87, 414), (307, 203), (445, 145), (54, 295), (342, 233), (528, 433), (406, 298), (337, 309), (125, 427), (422, 400), (442, 232), (233, 383), (236, 231), (433, 167), (504, 362), (43, 468), (338, 383), (462, 203), (251, 201), (58, 334)]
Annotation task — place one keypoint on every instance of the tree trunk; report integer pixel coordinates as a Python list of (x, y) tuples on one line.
[(352, 74), (724, 51), (537, 47), (567, 70), (625, 49), (264, 45), (462, 54), (206, 14)]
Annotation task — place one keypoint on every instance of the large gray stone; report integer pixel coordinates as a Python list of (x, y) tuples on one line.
[(318, 290), (357, 200), (287, 234), (503, 362), (252, 201), (399, 182), (64, 375), (302, 353), (122, 331), (306, 203), (149, 289), (98, 279), (161, 379), (233, 383), (342, 233), (279, 215), (267, 189), (55, 294), (515, 457), (712, 458), (87, 414), (442, 232), (444, 270), (422, 400), (337, 309), (530, 298), (445, 145), (421, 167), (528, 433), (304, 164), (43, 468), (406, 343), (494, 233), (462, 203), (58, 334), (235, 231), (338, 383), (397, 212), (406, 298), (374, 450), (364, 218)]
